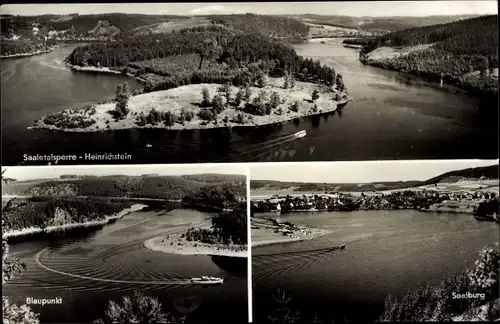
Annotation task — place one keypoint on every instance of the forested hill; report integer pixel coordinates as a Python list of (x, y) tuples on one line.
[(213, 178), (266, 25), (84, 25), (464, 53), (474, 36), (147, 186), (227, 194), (488, 172)]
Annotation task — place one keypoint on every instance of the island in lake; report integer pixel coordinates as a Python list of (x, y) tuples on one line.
[(203, 77)]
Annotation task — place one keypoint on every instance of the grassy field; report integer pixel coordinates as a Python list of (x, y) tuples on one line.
[(188, 98)]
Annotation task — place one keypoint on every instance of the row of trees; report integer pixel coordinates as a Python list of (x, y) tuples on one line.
[(8, 47), (12, 267), (169, 118)]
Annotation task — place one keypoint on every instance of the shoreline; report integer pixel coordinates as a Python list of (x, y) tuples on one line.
[(95, 69), (465, 82), (175, 244), (56, 228), (183, 98), (265, 233), (50, 49)]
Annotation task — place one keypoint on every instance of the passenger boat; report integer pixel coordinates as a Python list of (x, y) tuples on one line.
[(205, 280), (300, 134)]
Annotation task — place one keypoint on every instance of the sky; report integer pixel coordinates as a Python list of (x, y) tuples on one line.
[(353, 8), (361, 172), (49, 172)]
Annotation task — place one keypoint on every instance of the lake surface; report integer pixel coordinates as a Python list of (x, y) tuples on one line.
[(386, 252), (116, 253), (392, 116)]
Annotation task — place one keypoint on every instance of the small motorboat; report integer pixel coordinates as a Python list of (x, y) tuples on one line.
[(300, 134), (205, 280), (149, 145)]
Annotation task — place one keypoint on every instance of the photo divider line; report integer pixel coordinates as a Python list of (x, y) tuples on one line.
[(249, 247)]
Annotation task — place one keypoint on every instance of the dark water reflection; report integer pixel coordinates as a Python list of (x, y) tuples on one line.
[(116, 252), (392, 116)]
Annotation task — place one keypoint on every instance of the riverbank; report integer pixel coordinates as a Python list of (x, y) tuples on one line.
[(95, 69), (178, 244), (56, 228), (434, 66), (267, 232), (48, 50), (186, 101)]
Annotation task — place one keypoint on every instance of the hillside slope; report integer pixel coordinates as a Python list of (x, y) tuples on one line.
[(464, 53)]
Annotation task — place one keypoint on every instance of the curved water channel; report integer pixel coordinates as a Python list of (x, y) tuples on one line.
[(392, 116), (89, 268)]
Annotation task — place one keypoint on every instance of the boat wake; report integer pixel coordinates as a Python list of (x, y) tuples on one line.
[(273, 264), (134, 282)]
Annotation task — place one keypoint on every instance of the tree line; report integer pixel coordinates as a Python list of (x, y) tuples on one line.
[(41, 211), (223, 195)]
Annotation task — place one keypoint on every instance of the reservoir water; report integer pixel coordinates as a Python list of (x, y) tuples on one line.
[(392, 116), (386, 252), (88, 270)]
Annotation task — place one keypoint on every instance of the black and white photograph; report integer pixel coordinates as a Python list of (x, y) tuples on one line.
[(156, 83), (398, 241), (125, 244)]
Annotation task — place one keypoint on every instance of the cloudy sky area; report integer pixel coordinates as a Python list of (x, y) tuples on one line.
[(51, 172), (367, 8), (361, 172)]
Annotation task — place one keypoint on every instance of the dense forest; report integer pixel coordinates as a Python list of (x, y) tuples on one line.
[(46, 211), (219, 190), (222, 195), (214, 178), (8, 47), (80, 24), (488, 172), (457, 50)]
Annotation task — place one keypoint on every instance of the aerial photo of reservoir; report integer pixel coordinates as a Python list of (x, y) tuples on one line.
[(403, 241), (239, 82), (125, 244)]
